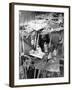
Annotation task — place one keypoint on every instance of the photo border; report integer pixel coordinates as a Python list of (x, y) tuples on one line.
[(11, 43)]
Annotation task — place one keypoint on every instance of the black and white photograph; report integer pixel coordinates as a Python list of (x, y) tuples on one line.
[(39, 44)]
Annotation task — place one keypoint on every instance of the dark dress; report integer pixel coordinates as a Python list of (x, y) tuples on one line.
[(30, 72)]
